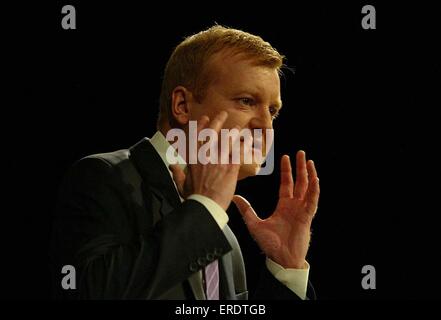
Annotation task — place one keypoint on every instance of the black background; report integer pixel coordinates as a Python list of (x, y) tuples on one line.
[(360, 103)]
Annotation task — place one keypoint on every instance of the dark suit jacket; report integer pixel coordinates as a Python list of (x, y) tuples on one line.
[(120, 223)]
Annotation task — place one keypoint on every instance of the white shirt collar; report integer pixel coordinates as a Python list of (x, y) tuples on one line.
[(161, 145)]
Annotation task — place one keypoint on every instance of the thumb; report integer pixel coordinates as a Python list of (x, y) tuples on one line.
[(178, 177), (245, 209)]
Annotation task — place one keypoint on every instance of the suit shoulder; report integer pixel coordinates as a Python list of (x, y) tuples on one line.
[(96, 168), (102, 161), (110, 158)]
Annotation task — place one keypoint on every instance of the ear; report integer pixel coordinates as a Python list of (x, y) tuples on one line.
[(181, 98)]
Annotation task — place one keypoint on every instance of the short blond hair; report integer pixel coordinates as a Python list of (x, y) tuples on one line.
[(187, 65)]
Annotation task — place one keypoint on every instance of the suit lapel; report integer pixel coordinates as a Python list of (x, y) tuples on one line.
[(157, 177), (155, 174), (232, 271), (226, 281)]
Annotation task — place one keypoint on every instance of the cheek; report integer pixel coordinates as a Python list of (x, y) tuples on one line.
[(234, 121), (235, 115), (205, 109)]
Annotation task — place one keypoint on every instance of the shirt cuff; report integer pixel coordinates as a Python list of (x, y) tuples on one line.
[(216, 211), (295, 279)]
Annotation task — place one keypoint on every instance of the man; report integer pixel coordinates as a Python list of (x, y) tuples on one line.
[(135, 226)]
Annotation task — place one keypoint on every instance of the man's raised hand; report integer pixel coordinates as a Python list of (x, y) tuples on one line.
[(284, 236)]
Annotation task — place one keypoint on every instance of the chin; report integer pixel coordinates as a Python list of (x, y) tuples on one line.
[(248, 170)]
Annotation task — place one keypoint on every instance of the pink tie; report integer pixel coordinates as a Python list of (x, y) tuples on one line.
[(211, 273)]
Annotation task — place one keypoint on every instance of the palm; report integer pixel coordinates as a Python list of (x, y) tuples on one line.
[(284, 236)]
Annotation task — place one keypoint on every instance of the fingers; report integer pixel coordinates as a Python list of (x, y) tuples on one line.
[(203, 121), (286, 180), (312, 172), (216, 125), (301, 184), (313, 193), (178, 177), (248, 214), (203, 151), (201, 124), (218, 121)]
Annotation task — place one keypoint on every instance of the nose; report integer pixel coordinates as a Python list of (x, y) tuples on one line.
[(262, 120)]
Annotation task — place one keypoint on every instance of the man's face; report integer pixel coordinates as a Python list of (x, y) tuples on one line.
[(250, 95)]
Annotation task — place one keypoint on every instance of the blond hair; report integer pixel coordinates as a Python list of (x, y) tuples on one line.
[(187, 65)]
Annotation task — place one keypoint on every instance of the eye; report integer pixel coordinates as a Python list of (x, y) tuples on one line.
[(246, 101), (274, 112)]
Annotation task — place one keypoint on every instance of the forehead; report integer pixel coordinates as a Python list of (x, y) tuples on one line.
[(235, 72)]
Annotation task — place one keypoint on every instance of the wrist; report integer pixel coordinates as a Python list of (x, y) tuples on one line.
[(293, 264), (219, 202)]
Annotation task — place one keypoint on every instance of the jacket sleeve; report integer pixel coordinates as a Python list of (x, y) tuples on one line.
[(94, 231)]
